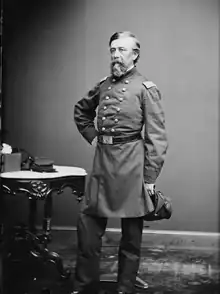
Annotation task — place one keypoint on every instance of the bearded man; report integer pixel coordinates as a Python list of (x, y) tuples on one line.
[(126, 164)]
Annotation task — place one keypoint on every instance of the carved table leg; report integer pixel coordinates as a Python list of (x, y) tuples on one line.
[(47, 255), (32, 214), (47, 219)]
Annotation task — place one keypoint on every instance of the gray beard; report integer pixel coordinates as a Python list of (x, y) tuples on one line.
[(118, 69)]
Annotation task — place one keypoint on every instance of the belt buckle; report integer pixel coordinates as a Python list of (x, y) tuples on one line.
[(107, 139)]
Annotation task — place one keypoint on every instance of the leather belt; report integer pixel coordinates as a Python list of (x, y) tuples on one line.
[(111, 140)]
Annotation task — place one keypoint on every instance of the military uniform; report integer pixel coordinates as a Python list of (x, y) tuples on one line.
[(123, 161), (116, 186)]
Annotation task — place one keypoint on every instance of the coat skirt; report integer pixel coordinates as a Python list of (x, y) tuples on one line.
[(116, 185)]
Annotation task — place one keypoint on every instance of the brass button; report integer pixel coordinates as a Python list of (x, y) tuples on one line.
[(123, 89), (112, 130), (109, 88), (105, 107), (126, 82), (116, 120), (107, 97), (118, 109), (113, 80), (103, 128), (120, 99), (103, 118)]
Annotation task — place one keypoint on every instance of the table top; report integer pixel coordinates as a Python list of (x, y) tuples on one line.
[(61, 171)]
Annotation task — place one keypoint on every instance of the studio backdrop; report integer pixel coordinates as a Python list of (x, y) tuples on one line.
[(55, 51)]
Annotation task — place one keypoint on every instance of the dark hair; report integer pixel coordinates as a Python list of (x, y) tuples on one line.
[(119, 35)]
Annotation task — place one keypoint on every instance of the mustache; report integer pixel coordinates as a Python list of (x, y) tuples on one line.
[(117, 62)]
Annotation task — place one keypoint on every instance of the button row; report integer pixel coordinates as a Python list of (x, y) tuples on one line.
[(104, 118), (103, 129), (126, 81), (118, 108), (123, 89), (109, 88), (120, 99)]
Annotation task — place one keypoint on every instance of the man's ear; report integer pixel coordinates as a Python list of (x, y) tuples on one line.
[(135, 55)]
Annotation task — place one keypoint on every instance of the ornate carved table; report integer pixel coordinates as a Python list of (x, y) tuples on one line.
[(40, 186)]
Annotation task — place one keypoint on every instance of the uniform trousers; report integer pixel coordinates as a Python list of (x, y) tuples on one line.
[(90, 230)]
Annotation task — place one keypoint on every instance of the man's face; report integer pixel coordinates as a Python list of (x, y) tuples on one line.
[(122, 55)]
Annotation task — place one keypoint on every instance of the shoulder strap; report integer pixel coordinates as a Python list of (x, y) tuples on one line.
[(149, 84)]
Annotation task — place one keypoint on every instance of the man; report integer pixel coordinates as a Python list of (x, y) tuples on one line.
[(125, 165)]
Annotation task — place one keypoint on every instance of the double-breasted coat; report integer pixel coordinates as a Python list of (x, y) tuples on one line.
[(123, 107)]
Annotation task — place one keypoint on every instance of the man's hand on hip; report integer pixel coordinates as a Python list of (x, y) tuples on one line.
[(94, 141)]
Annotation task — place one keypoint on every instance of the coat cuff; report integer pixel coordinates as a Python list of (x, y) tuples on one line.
[(89, 134)]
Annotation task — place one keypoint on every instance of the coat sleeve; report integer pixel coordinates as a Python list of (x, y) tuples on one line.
[(155, 136), (85, 113)]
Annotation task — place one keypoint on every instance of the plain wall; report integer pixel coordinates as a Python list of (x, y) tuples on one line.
[(55, 51)]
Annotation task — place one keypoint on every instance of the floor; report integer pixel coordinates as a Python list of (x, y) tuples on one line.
[(165, 271)]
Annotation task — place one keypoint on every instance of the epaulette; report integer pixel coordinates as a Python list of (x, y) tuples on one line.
[(149, 84), (102, 80)]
